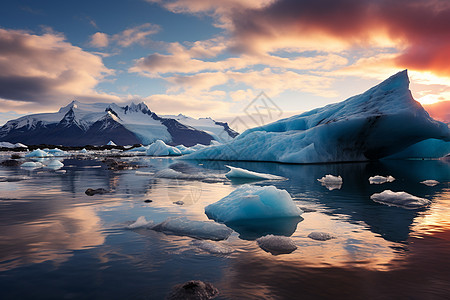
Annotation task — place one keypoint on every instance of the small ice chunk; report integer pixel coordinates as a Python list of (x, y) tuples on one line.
[(54, 164), (83, 150), (172, 174), (331, 182), (141, 222), (377, 179), (111, 143), (212, 247), (321, 236), (38, 153), (400, 199), (14, 178), (243, 173), (31, 165), (253, 202), (196, 229), (430, 182), (159, 148), (276, 244)]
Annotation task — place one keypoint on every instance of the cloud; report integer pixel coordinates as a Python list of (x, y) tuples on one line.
[(46, 70), (440, 110), (99, 40), (126, 38)]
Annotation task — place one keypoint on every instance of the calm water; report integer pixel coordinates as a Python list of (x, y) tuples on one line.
[(58, 243)]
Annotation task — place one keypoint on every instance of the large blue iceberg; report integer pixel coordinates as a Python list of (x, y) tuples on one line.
[(379, 123)]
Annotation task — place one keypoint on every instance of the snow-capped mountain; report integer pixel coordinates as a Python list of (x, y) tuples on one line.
[(383, 121), (96, 124)]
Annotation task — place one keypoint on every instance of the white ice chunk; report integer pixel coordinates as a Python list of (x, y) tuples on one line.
[(38, 153), (212, 247), (111, 143), (378, 179), (31, 165), (83, 150), (141, 222), (243, 173), (172, 174), (159, 148), (400, 199), (430, 182), (197, 229), (253, 202), (331, 182), (54, 164), (276, 244), (321, 236)]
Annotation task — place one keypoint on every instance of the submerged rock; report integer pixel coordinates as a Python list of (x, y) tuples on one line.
[(148, 201), (321, 236), (276, 244), (92, 192), (212, 247), (193, 290)]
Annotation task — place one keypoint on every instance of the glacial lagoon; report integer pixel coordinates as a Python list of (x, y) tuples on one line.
[(56, 242)]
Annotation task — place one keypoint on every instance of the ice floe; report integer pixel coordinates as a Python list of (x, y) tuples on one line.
[(378, 179), (141, 222), (212, 247), (31, 165), (54, 164), (253, 202), (197, 229), (159, 148), (38, 153), (430, 182), (246, 174), (276, 244), (331, 182), (400, 199)]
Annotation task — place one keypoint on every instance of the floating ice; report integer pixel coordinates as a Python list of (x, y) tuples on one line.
[(400, 199), (196, 229), (31, 165), (159, 148), (172, 174), (331, 182), (243, 173), (321, 236), (185, 150), (111, 143), (253, 202), (83, 150), (38, 153), (14, 178), (276, 244), (212, 247), (141, 222), (376, 124), (430, 182), (56, 152), (54, 164), (377, 179)]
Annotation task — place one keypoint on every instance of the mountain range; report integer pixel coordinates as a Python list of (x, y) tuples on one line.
[(78, 124)]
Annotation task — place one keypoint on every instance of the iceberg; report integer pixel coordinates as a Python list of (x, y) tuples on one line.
[(197, 229), (276, 244), (111, 143), (400, 199), (331, 182), (246, 174), (159, 148), (377, 179), (38, 153), (253, 202), (430, 182), (376, 124)]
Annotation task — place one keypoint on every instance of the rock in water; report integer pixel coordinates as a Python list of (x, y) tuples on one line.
[(276, 244), (321, 236), (378, 123), (92, 192), (193, 290)]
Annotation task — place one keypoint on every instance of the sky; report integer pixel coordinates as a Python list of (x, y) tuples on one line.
[(212, 58)]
